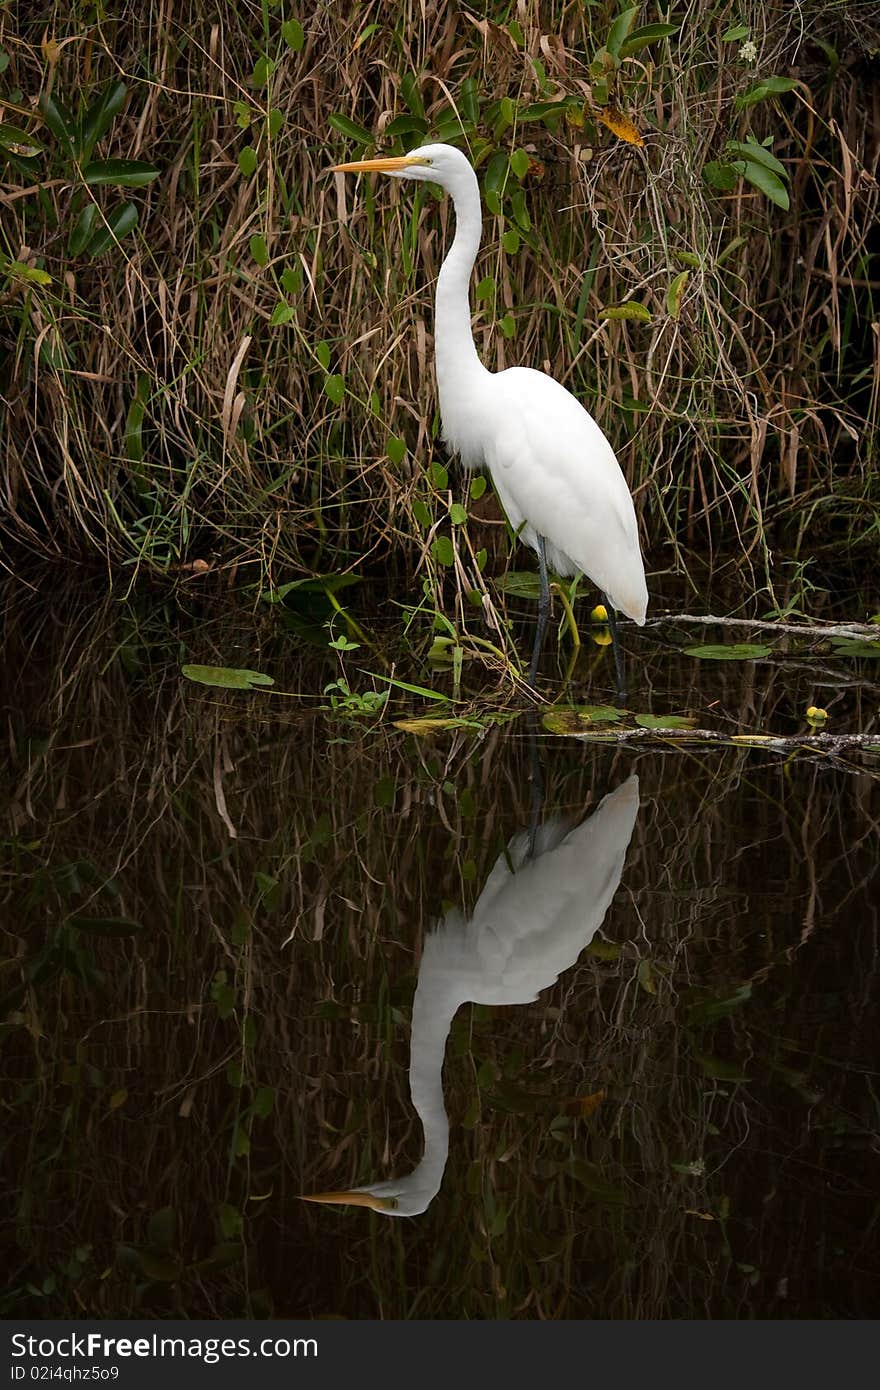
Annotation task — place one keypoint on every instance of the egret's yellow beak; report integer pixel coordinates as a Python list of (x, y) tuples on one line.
[(354, 1199), (390, 165)]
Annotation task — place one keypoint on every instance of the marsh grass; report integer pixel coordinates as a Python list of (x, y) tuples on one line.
[(245, 380), (170, 1089)]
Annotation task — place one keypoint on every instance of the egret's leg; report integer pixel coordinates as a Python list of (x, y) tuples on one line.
[(543, 612), (536, 782), (619, 666)]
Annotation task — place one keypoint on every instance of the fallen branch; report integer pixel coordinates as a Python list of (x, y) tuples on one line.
[(808, 629), (831, 744)]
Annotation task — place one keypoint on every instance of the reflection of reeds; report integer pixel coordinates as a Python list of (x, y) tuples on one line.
[(168, 1093), (747, 415)]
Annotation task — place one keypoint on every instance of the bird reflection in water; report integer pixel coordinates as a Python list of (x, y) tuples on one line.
[(543, 902)]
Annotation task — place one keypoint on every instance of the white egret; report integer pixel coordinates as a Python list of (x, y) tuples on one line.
[(553, 470), (531, 921)]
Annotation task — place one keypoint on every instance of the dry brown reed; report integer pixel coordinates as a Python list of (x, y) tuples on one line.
[(166, 402)]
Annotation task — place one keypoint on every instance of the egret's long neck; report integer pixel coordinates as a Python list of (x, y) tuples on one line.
[(454, 347), (433, 1011)]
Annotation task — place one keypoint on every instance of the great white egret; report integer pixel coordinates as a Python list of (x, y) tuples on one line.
[(553, 470), (533, 918)]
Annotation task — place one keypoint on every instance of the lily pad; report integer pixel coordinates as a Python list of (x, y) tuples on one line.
[(664, 721), (520, 583), (853, 647), (728, 651), (226, 677), (579, 717)]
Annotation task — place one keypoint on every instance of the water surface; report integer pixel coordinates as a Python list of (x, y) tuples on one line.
[(215, 911)]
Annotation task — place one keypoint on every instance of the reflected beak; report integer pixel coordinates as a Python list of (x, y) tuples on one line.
[(354, 1199), (390, 165)]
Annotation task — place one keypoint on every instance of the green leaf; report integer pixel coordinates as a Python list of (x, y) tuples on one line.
[(664, 721), (123, 173), (688, 258), (134, 420), (334, 387), (275, 122), (720, 176), (12, 137), (486, 287), (264, 1102), (100, 116), (281, 314), (457, 514), (620, 30), (734, 34), (519, 209), (519, 163), (259, 250), (322, 352), (540, 110), (120, 222), (766, 182), (439, 476), (709, 1009), (769, 87), (350, 129), (422, 514), (720, 1070), (844, 646), (443, 551), (409, 90), (406, 125), (675, 292), (477, 487), (291, 280), (645, 35), (520, 583), (495, 176), (19, 271), (646, 976), (507, 324), (226, 677), (757, 154), (59, 121), (293, 35), (395, 448), (576, 719), (732, 651), (262, 72), (510, 241), (469, 99), (630, 310), (82, 230), (247, 160)]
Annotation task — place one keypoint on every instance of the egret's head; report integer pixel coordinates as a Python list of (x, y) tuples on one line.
[(442, 164), (408, 1196)]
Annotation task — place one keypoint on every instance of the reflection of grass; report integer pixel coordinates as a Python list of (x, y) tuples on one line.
[(265, 392), (168, 1091)]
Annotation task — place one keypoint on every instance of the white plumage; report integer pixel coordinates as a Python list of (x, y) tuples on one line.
[(530, 923), (553, 469)]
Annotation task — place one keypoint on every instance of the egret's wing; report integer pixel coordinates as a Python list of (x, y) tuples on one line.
[(553, 467), (538, 924)]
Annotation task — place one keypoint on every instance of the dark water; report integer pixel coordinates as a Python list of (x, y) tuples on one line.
[(215, 907)]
